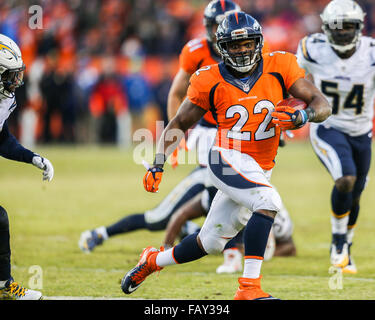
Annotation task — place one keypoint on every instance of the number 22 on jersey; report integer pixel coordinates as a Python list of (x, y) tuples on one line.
[(262, 132)]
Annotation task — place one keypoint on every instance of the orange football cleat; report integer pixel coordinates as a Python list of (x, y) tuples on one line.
[(146, 266), (250, 289)]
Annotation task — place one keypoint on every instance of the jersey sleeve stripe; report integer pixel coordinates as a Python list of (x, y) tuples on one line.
[(279, 78), (212, 101), (200, 64), (14, 104), (305, 51)]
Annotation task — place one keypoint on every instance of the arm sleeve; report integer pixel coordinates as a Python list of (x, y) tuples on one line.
[(11, 149), (199, 92)]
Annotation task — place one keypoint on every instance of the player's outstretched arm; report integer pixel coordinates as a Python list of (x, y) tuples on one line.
[(187, 115), (11, 149), (177, 92), (189, 211), (318, 108), (176, 96)]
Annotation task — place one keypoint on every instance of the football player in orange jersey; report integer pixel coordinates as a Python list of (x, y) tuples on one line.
[(195, 54), (242, 93), (198, 53)]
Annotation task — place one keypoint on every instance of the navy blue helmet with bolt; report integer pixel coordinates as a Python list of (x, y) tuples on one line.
[(215, 13), (240, 26)]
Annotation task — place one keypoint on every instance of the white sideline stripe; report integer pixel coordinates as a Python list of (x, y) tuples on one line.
[(85, 298), (100, 270), (345, 277), (82, 298), (201, 273), (96, 298), (96, 270)]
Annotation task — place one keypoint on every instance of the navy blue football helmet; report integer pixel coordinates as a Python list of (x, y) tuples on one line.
[(215, 12), (240, 26)]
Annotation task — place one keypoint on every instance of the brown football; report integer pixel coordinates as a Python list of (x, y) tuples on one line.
[(294, 103)]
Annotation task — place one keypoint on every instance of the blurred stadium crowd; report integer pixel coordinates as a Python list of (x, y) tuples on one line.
[(98, 70)]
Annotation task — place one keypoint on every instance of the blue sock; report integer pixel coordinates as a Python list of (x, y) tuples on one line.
[(256, 234), (5, 265), (340, 201), (188, 250), (353, 216), (127, 224)]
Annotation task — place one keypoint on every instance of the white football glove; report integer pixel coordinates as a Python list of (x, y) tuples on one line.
[(45, 165)]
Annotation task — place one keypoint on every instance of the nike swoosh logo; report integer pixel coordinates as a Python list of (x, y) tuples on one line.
[(131, 289)]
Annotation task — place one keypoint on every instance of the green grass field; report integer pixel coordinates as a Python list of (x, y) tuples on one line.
[(96, 186)]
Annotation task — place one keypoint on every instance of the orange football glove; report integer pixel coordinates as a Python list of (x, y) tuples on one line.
[(152, 179), (286, 117)]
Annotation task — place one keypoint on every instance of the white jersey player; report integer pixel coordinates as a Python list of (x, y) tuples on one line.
[(11, 77), (342, 64)]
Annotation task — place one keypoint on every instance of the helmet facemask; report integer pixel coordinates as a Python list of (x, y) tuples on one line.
[(345, 38), (10, 80), (244, 60)]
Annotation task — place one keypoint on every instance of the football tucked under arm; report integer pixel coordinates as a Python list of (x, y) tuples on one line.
[(307, 104), (318, 108), (290, 114)]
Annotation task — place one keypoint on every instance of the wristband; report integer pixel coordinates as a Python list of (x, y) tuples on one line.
[(159, 160), (304, 117)]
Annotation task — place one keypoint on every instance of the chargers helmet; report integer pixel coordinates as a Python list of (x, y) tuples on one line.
[(215, 12), (240, 26), (337, 16), (11, 67)]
